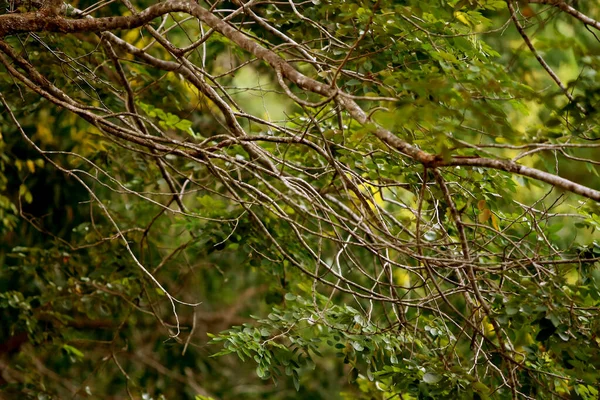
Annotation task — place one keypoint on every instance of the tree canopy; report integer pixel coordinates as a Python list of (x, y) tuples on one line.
[(326, 199)]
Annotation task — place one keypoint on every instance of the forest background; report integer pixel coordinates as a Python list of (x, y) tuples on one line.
[(299, 199)]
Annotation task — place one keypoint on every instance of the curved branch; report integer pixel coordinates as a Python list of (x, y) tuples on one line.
[(512, 167)]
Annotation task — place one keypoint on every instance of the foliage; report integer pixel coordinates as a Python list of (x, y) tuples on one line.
[(321, 200)]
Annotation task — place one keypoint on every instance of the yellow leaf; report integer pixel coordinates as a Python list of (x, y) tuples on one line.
[(402, 278), (495, 222), (484, 215), (30, 166), (131, 36), (488, 328), (45, 122), (462, 18), (481, 205), (25, 193)]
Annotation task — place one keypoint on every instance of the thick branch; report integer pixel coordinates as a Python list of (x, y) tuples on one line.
[(35, 22), (512, 167), (43, 22)]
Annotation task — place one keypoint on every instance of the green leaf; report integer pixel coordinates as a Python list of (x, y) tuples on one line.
[(73, 351), (431, 378), (357, 346)]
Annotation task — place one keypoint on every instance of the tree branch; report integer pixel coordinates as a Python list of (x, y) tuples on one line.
[(538, 57), (34, 22), (512, 167), (570, 10)]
